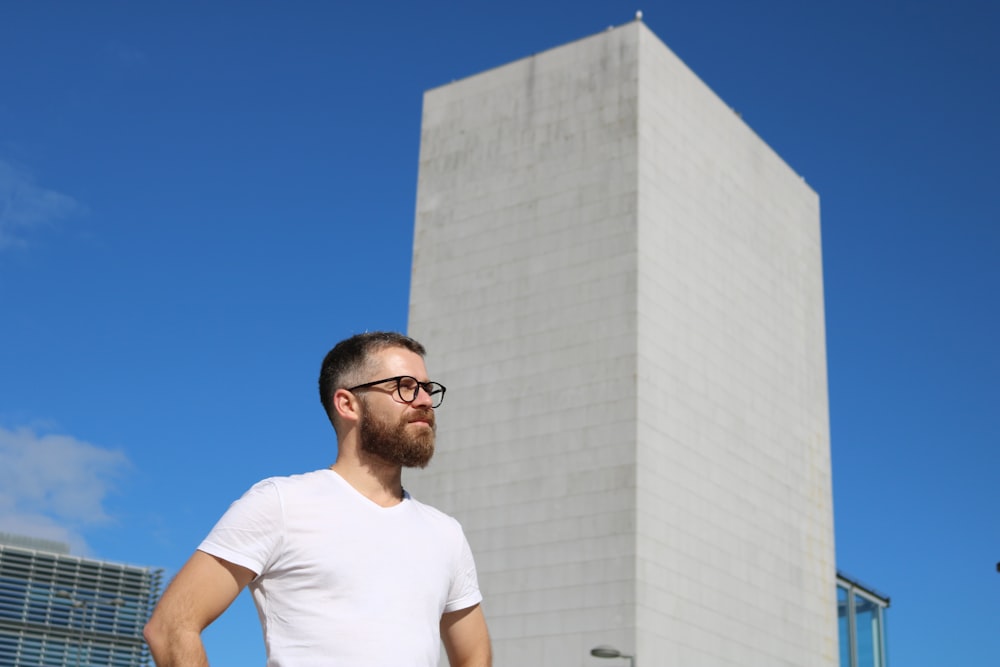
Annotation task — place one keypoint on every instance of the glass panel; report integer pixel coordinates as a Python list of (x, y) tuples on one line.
[(844, 623), (868, 621)]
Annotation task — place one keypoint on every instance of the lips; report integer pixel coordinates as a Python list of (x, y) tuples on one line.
[(424, 418)]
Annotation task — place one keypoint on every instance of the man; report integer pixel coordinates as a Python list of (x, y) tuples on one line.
[(344, 566)]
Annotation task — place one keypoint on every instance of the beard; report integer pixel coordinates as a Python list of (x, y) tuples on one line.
[(391, 442)]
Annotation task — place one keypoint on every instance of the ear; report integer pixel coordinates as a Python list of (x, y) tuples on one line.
[(346, 406)]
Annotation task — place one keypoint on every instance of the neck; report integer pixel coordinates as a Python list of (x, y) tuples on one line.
[(377, 481)]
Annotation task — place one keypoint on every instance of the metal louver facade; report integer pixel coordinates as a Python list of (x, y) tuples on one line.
[(61, 610)]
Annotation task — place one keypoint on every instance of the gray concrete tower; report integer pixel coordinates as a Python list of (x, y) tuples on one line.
[(621, 286)]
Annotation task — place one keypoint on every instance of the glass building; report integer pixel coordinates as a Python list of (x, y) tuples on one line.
[(59, 610), (861, 614)]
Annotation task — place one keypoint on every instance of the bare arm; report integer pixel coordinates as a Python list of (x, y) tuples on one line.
[(201, 591), (466, 638)]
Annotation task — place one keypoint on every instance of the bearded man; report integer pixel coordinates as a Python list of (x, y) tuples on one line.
[(345, 567)]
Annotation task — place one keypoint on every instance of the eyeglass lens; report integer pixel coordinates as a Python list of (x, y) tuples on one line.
[(408, 388)]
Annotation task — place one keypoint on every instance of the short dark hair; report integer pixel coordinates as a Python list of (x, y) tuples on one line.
[(348, 361)]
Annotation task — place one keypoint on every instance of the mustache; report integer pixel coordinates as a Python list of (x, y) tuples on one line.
[(423, 414)]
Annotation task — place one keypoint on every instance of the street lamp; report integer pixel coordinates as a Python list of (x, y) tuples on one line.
[(76, 603), (83, 607), (605, 651)]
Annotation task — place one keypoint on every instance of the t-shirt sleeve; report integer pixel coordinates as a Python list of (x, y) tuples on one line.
[(465, 584), (250, 531)]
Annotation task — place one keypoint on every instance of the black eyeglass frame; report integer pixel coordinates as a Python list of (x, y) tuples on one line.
[(435, 390)]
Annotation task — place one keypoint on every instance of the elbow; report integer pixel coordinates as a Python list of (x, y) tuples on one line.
[(151, 635), (155, 635)]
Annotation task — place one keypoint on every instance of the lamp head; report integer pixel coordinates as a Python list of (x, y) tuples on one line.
[(605, 651)]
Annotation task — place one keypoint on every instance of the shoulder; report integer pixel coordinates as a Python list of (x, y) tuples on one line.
[(284, 485), (433, 515), (306, 480), (287, 487)]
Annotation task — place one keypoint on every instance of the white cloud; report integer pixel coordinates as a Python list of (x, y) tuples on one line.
[(24, 205), (54, 486)]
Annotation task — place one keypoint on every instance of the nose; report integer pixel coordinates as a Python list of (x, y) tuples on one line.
[(423, 398)]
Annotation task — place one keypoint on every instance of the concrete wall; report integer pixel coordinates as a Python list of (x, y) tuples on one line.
[(735, 521), (620, 285)]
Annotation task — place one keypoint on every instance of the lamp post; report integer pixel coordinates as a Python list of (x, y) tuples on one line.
[(76, 603), (605, 651), (83, 605)]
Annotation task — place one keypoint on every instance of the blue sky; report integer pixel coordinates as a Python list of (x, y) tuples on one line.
[(198, 199)]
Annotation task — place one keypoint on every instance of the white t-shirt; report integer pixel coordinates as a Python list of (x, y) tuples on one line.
[(341, 580)]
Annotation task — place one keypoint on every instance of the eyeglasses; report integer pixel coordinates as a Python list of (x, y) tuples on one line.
[(407, 388)]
